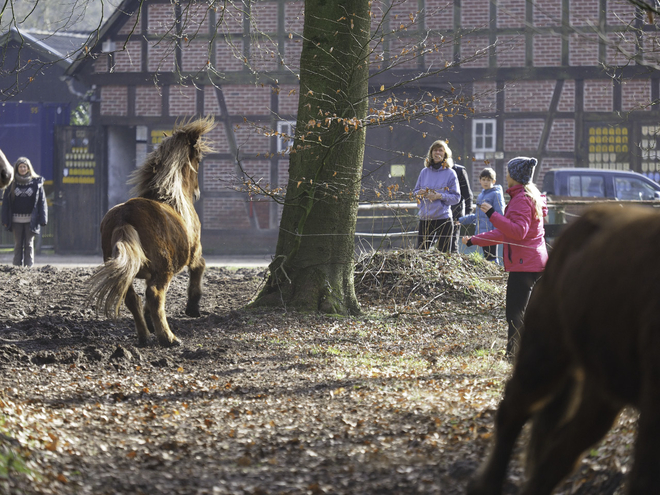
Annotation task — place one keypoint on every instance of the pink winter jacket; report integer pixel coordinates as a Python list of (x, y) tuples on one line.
[(521, 233)]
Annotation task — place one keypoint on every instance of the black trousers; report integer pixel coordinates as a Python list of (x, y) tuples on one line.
[(518, 289), (490, 253), (431, 231)]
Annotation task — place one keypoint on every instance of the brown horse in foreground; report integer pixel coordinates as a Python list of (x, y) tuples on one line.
[(6, 171), (155, 235), (590, 346)]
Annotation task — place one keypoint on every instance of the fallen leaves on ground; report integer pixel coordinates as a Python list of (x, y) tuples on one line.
[(398, 400)]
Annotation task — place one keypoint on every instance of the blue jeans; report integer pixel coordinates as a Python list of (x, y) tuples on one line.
[(23, 244)]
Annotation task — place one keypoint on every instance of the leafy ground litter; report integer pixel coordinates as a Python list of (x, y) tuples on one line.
[(399, 400)]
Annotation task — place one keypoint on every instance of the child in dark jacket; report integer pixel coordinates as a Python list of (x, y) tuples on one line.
[(492, 194), (24, 210)]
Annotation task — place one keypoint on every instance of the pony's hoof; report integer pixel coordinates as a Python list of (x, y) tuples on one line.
[(193, 312), (175, 343), (143, 342)]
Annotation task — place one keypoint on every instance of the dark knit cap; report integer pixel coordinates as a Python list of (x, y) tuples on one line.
[(521, 169)]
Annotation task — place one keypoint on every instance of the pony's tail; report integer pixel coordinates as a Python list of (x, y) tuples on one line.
[(109, 284)]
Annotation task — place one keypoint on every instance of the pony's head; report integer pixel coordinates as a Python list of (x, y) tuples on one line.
[(171, 172), (6, 171)]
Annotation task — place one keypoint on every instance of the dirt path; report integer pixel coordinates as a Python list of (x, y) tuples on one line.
[(398, 400)]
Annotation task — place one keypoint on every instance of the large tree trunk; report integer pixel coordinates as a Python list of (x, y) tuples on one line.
[(313, 267)]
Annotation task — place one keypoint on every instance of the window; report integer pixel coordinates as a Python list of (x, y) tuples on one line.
[(589, 186), (286, 129), (483, 135), (633, 189)]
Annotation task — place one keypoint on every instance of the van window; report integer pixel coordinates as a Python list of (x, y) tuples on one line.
[(631, 188), (590, 186)]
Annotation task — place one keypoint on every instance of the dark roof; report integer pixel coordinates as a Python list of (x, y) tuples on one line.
[(60, 47)]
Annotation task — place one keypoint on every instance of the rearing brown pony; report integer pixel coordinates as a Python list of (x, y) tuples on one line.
[(155, 235), (6, 171)]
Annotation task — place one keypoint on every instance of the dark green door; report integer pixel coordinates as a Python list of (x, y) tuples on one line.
[(79, 184)]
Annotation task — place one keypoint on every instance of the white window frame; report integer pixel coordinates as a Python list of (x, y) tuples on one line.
[(475, 136), (287, 127)]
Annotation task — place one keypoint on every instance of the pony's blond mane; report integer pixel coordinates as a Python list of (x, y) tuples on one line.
[(161, 177)]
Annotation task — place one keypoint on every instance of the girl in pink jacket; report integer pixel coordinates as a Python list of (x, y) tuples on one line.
[(521, 232)]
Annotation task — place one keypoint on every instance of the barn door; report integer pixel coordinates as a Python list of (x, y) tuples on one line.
[(79, 185)]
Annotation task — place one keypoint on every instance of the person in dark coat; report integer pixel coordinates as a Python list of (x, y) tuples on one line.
[(464, 206), (24, 210)]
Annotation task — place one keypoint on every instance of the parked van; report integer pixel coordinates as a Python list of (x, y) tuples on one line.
[(619, 185)]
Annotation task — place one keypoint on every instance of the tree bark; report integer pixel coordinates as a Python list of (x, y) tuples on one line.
[(313, 266)]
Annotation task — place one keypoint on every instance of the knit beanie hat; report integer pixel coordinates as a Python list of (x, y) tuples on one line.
[(521, 169)]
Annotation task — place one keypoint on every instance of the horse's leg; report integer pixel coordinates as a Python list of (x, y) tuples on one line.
[(155, 295), (644, 475), (147, 317), (134, 305), (196, 270), (541, 372), (558, 449)]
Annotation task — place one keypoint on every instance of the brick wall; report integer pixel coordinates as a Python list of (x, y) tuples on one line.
[(528, 96), (404, 15), (211, 106), (257, 169), (148, 101), (403, 54), (651, 44), (220, 175), (567, 98), (195, 55), (485, 96), (218, 139), (194, 19), (583, 12), (582, 50), (598, 95), (619, 12), (114, 100), (470, 45), (292, 51), (161, 18), (636, 95), (441, 53), (131, 27), (161, 55), (183, 100), (229, 18), (247, 100), (439, 14), (522, 135), (294, 17), (475, 14), (511, 13), (264, 55), (621, 49), (251, 141), (101, 64), (547, 50), (263, 17), (547, 13), (288, 97), (229, 55), (128, 58), (562, 135), (225, 213), (511, 51)]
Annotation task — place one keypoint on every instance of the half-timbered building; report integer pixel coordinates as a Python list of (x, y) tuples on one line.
[(572, 82)]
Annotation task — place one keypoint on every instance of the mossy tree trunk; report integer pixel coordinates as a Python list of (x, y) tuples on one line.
[(313, 266)]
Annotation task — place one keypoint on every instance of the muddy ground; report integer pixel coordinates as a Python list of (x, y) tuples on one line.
[(398, 400)]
